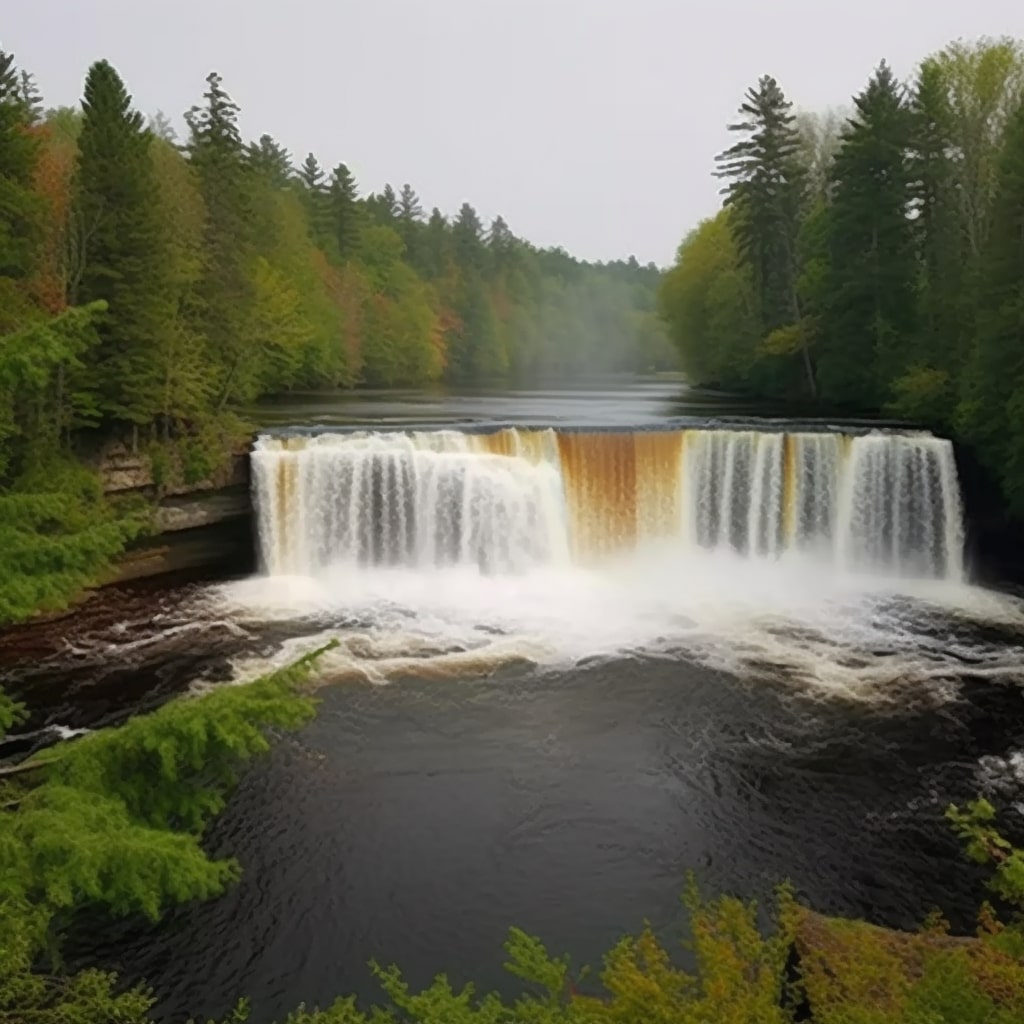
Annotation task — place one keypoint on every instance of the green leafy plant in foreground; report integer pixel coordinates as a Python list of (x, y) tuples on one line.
[(114, 820)]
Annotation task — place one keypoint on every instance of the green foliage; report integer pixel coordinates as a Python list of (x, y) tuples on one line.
[(148, 289), (116, 205), (984, 844), (11, 713), (868, 314), (114, 820), (766, 192), (57, 536), (924, 395), (883, 254), (709, 303), (992, 406)]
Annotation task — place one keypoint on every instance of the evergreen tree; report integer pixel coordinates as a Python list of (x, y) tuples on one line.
[(19, 208), (868, 315), (467, 235), (383, 209), (435, 254), (271, 161), (410, 224), (217, 154), (346, 215), (992, 411), (936, 225), (766, 186), (318, 204), (116, 202), (312, 174), (409, 209), (31, 98)]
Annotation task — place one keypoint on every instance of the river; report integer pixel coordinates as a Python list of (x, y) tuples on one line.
[(551, 699)]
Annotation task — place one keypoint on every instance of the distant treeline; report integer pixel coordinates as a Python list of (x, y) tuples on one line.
[(874, 260), (149, 285), (215, 270)]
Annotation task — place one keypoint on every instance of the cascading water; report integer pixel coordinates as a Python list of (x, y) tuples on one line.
[(503, 502)]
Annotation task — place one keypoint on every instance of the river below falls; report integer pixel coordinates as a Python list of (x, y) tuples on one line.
[(553, 750)]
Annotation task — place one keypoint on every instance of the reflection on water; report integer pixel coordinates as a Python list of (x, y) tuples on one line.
[(600, 402)]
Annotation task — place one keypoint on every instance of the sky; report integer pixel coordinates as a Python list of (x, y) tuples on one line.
[(587, 124)]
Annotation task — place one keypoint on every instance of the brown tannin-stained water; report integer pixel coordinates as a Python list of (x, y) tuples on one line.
[(588, 640)]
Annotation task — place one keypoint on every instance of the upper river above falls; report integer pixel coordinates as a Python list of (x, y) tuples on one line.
[(589, 639)]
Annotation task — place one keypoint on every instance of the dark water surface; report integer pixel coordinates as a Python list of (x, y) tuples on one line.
[(414, 822), (599, 402)]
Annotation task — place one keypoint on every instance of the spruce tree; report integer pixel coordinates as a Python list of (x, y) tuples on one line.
[(436, 246), (312, 174), (765, 189), (936, 224), (468, 238), (20, 208), (383, 208), (31, 97), (271, 161), (318, 204), (409, 208), (115, 199), (868, 314), (410, 225), (218, 156), (345, 212), (992, 411)]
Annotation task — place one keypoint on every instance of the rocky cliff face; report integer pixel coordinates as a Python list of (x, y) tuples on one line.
[(203, 526)]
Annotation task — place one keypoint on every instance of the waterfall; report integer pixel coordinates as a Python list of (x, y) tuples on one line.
[(503, 502)]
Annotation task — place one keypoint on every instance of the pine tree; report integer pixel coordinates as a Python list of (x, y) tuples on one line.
[(271, 161), (868, 315), (115, 200), (383, 209), (312, 174), (936, 223), (435, 247), (467, 235), (409, 209), (766, 185), (501, 244), (410, 224), (20, 208), (346, 214), (319, 210), (31, 97), (217, 154), (992, 412)]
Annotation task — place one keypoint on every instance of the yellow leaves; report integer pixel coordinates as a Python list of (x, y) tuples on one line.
[(788, 340)]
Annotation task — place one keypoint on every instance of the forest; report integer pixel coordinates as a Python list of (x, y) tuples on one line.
[(151, 286), (873, 259)]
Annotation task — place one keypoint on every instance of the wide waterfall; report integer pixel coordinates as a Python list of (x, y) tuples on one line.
[(881, 503)]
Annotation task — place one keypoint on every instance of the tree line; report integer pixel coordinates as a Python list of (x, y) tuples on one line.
[(873, 261), (150, 285), (153, 283)]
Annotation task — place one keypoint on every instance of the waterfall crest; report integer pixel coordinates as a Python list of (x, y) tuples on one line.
[(503, 502)]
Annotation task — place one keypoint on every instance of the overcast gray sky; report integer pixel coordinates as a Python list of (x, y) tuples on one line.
[(590, 124)]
